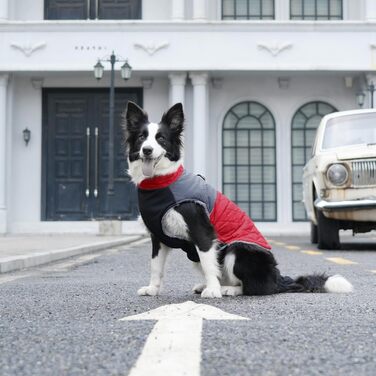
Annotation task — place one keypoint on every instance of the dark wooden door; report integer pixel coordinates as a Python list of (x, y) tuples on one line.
[(75, 154)]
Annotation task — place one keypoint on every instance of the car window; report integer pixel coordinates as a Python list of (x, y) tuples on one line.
[(349, 130)]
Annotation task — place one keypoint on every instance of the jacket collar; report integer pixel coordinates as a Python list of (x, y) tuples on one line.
[(158, 182)]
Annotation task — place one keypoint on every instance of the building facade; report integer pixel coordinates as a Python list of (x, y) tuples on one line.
[(255, 78)]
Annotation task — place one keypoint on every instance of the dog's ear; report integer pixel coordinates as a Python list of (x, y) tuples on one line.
[(135, 116), (174, 118)]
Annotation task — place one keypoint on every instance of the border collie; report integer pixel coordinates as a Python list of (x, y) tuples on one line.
[(181, 210)]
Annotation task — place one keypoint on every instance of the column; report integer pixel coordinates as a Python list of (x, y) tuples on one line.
[(177, 10), (4, 15), (177, 87), (200, 10), (200, 122), (3, 151), (370, 10)]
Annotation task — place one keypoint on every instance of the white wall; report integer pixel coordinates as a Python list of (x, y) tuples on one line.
[(25, 174)]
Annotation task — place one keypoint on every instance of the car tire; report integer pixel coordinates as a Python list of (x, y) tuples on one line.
[(327, 232), (314, 234)]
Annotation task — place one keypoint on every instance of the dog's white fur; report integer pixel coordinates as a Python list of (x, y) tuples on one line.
[(163, 167), (338, 284), (174, 225)]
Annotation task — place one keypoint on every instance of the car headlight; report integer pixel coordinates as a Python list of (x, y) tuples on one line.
[(337, 174)]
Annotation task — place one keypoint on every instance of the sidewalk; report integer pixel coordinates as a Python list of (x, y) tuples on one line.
[(23, 251)]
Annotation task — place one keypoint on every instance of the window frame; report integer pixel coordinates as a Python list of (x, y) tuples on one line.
[(263, 165), (304, 147), (248, 16), (316, 17)]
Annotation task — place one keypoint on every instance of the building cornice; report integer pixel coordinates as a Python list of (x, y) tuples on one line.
[(190, 26)]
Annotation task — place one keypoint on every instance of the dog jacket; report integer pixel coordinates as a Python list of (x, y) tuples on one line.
[(157, 195)]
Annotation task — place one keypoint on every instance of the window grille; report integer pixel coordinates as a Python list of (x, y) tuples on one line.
[(303, 131), (248, 10), (92, 9), (249, 160), (318, 10)]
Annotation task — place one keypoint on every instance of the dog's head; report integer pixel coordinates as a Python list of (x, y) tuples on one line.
[(153, 148)]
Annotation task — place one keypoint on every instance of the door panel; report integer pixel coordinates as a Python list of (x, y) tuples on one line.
[(117, 206), (66, 9), (119, 9), (76, 156), (66, 156)]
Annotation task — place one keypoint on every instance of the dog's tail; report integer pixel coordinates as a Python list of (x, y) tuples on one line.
[(314, 283)]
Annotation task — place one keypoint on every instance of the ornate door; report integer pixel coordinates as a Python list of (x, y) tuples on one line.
[(75, 154)]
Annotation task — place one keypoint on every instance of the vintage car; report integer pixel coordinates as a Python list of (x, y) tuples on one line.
[(339, 181)]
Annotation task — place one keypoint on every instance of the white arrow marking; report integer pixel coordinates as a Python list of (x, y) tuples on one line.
[(174, 345)]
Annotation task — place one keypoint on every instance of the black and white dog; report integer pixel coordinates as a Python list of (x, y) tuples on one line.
[(181, 210)]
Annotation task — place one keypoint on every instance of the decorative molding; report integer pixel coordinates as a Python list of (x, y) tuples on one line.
[(177, 79), (151, 48), (199, 78), (284, 82), (349, 81), (147, 82), (37, 82), (217, 82), (4, 78), (370, 78), (28, 49), (275, 48)]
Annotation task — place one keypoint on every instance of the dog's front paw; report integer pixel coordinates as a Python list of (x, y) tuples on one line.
[(211, 293), (199, 288), (231, 290), (148, 290)]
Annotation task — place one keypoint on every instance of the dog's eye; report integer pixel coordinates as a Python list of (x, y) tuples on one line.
[(160, 138), (141, 137)]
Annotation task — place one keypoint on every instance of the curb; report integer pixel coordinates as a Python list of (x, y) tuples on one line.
[(10, 264)]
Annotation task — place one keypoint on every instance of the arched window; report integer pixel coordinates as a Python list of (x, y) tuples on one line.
[(303, 130), (249, 160)]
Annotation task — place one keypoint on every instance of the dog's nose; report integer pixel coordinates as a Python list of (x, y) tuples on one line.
[(147, 150)]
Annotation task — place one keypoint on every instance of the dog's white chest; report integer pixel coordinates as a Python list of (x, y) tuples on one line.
[(173, 225)]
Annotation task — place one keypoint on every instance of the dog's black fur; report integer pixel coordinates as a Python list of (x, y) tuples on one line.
[(255, 267)]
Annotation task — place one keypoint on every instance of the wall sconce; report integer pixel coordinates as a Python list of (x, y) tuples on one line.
[(26, 135), (360, 96)]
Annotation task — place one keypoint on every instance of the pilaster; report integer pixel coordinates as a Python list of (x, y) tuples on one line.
[(4, 10), (200, 122), (200, 10), (177, 10), (370, 10), (177, 87), (3, 151)]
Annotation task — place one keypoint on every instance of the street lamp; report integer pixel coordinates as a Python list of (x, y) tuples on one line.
[(126, 71), (360, 96)]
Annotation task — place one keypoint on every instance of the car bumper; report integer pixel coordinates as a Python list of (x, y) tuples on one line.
[(362, 204)]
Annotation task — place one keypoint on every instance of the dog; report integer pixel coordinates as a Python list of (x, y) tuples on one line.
[(180, 210)]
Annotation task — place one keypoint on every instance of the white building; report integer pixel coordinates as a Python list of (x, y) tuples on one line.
[(255, 77)]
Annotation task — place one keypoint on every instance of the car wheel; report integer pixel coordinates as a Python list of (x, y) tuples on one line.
[(314, 235), (327, 232)]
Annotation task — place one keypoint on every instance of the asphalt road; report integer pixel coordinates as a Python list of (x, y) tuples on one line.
[(63, 319)]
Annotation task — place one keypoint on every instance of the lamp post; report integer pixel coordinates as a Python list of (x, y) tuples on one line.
[(360, 96), (126, 71)]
